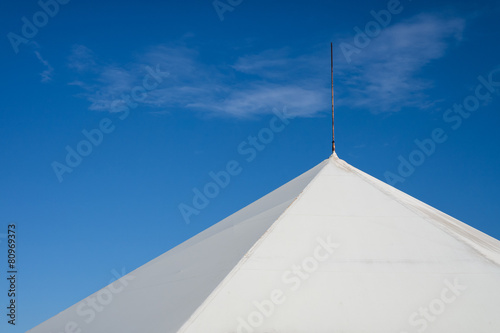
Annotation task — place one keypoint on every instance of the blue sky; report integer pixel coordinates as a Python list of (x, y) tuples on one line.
[(169, 93)]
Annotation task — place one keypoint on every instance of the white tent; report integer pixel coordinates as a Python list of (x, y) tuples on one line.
[(334, 250)]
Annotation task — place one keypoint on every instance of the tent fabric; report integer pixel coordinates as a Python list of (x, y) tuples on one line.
[(334, 250), (162, 294)]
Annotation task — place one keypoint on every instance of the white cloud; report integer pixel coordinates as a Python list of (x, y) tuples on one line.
[(82, 59), (49, 70), (203, 88), (261, 98), (384, 77)]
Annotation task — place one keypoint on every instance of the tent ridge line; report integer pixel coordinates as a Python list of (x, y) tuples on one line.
[(407, 202), (245, 257)]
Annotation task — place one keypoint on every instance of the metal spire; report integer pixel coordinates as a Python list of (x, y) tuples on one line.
[(333, 130)]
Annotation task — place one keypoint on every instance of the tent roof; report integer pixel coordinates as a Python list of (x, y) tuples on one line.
[(269, 268)]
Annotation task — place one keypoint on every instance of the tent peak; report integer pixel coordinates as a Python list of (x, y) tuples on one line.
[(334, 156)]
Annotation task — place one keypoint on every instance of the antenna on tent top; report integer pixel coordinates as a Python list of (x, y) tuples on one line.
[(333, 129)]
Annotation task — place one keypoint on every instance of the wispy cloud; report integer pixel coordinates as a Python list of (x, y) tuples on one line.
[(236, 90), (49, 70), (82, 59), (384, 78)]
